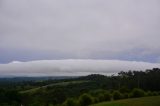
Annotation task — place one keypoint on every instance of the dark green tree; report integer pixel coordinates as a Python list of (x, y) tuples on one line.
[(85, 100), (117, 95)]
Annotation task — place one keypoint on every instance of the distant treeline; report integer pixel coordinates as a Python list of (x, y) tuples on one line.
[(146, 80), (93, 88)]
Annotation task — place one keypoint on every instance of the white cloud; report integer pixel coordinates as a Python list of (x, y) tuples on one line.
[(72, 67)]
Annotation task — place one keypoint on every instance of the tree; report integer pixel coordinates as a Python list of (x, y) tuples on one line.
[(107, 96), (137, 93), (117, 95), (70, 102), (85, 100)]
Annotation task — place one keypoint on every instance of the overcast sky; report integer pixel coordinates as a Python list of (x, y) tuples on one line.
[(97, 30)]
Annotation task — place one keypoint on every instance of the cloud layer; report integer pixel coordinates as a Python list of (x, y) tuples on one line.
[(83, 29), (72, 67)]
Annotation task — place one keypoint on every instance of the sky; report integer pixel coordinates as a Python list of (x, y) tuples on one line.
[(75, 32)]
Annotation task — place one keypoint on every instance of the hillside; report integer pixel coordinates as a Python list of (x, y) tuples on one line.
[(145, 101), (97, 88)]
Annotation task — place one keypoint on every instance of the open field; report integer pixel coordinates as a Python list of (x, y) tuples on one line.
[(145, 101)]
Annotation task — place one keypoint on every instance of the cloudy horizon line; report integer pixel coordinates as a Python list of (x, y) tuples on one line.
[(21, 61), (72, 67)]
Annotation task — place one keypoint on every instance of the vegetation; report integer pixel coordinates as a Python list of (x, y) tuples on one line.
[(145, 101), (137, 93), (79, 91), (117, 95), (70, 102), (85, 100)]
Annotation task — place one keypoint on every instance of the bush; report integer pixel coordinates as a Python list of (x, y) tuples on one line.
[(124, 90), (97, 92), (70, 102), (137, 93), (149, 93), (101, 98), (85, 100), (117, 95), (107, 96), (95, 100), (155, 93), (101, 95), (125, 96)]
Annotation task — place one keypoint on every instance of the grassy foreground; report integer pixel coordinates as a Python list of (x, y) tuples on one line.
[(144, 101)]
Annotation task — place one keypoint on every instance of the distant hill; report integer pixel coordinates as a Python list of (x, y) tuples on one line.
[(20, 79), (94, 77)]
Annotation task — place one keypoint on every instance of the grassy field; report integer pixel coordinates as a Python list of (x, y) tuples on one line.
[(145, 101)]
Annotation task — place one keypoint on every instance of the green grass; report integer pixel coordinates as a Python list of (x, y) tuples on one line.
[(144, 101)]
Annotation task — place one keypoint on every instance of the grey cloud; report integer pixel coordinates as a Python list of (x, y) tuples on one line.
[(72, 67), (82, 28)]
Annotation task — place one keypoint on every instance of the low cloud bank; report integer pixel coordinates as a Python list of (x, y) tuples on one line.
[(72, 67)]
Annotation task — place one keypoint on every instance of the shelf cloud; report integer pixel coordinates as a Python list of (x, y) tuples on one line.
[(72, 67)]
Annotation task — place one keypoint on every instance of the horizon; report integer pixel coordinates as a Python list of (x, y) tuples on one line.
[(72, 67)]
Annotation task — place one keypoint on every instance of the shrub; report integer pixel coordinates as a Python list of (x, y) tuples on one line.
[(117, 95), (101, 95), (155, 93), (97, 92), (149, 93), (123, 90), (107, 96), (70, 102), (85, 100), (137, 93), (95, 100), (125, 95), (101, 98)]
